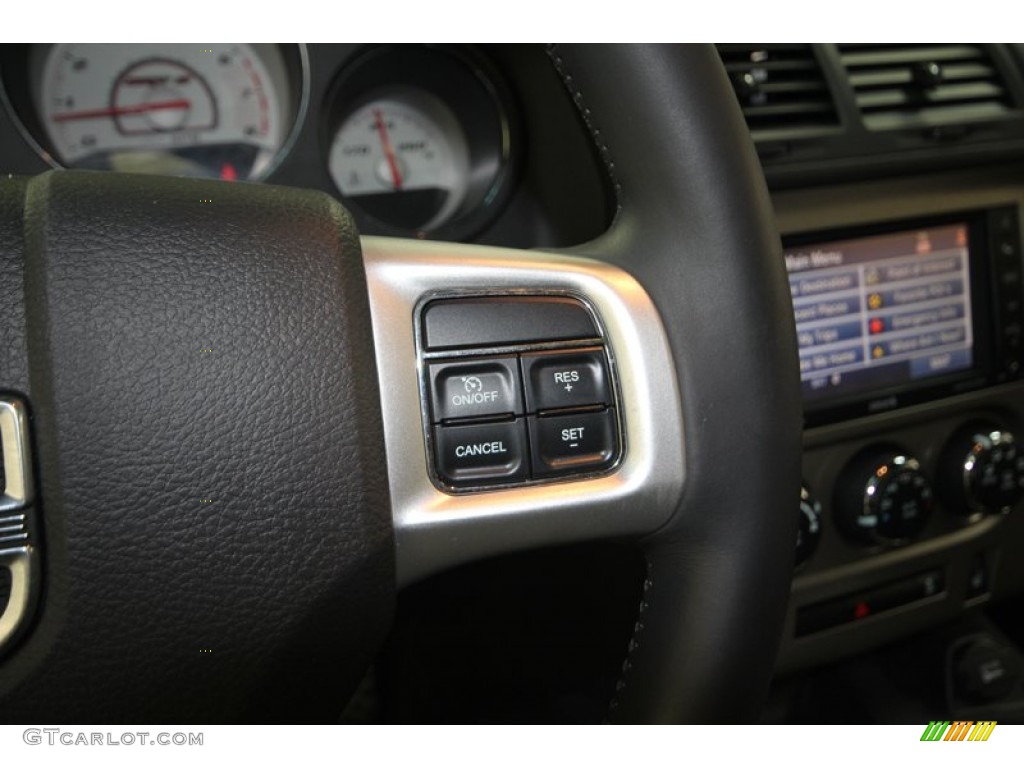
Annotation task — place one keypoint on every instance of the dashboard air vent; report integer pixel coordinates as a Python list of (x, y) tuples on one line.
[(781, 89), (925, 86)]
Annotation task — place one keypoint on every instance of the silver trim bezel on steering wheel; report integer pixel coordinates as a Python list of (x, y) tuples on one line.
[(435, 530)]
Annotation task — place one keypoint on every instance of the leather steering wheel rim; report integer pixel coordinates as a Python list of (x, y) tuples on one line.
[(695, 227)]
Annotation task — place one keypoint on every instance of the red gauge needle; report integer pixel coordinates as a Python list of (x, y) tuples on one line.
[(389, 152), (155, 81), (135, 109)]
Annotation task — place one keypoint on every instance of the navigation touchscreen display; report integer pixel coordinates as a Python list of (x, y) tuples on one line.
[(883, 311)]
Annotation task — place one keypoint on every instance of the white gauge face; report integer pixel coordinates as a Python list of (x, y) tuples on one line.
[(210, 110), (403, 153)]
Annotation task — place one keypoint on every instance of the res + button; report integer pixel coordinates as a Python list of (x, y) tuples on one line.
[(565, 380)]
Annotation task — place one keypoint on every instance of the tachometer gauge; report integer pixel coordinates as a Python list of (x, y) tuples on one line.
[(420, 141), (193, 110), (402, 157)]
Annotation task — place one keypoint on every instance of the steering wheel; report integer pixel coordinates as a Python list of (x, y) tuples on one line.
[(221, 404)]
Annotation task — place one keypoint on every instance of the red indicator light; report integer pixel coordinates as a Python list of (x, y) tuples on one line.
[(861, 610), (877, 325)]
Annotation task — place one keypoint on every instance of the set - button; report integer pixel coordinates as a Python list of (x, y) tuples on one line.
[(572, 442), (511, 418)]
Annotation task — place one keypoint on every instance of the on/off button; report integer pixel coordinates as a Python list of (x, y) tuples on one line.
[(476, 454), (479, 388)]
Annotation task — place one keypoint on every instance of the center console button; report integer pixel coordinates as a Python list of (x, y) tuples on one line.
[(476, 388), (478, 454)]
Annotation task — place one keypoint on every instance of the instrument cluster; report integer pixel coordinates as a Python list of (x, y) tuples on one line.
[(416, 140)]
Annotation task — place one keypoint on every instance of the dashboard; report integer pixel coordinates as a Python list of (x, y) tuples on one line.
[(897, 178), (906, 480), (906, 282)]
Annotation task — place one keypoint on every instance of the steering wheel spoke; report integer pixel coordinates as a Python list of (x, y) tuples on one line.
[(436, 529)]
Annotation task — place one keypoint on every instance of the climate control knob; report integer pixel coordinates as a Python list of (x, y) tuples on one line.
[(809, 532), (883, 497), (983, 471)]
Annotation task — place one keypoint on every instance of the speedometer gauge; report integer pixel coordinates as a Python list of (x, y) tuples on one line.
[(210, 110), (419, 141), (403, 156)]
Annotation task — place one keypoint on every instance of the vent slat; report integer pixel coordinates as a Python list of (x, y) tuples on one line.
[(887, 56), (925, 86), (874, 100), (796, 87), (781, 90), (936, 117), (771, 66), (905, 76), (802, 108)]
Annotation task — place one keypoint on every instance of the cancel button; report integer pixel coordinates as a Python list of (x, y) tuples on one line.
[(481, 454)]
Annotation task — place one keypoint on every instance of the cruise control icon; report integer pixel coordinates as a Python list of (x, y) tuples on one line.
[(475, 393)]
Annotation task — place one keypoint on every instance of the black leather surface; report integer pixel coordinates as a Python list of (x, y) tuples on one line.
[(13, 358), (695, 227), (218, 535)]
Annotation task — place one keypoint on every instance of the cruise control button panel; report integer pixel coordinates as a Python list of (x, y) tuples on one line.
[(520, 412)]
